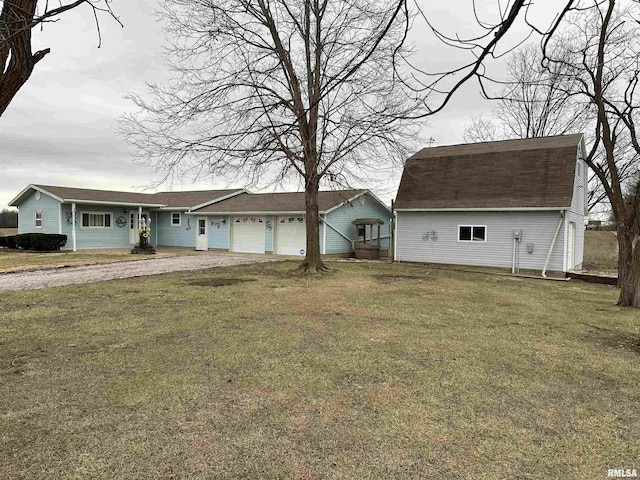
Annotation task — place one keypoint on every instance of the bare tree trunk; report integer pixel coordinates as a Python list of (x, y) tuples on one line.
[(628, 267), (16, 59), (313, 261)]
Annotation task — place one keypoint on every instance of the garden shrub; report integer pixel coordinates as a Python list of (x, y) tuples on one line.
[(10, 241), (41, 242)]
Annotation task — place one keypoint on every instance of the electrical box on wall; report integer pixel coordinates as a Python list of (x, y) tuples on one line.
[(517, 234), (529, 247)]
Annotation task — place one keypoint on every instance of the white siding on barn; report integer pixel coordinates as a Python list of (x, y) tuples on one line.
[(577, 210), (537, 228)]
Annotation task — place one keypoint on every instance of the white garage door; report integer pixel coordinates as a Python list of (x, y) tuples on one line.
[(291, 236), (247, 234)]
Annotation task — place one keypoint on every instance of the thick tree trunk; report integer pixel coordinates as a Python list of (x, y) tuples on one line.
[(628, 267), (16, 59), (313, 261)]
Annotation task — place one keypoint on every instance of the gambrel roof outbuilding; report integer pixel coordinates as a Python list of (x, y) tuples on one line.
[(535, 173)]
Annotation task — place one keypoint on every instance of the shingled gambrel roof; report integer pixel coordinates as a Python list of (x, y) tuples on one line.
[(183, 200), (278, 202), (530, 173)]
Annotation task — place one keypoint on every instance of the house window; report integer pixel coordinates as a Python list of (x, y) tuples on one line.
[(37, 219), (176, 219), (96, 220), (361, 233), (472, 233)]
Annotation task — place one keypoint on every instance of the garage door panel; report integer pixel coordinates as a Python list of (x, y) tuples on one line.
[(248, 234), (291, 235)]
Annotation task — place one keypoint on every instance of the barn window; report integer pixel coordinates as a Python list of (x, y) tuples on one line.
[(472, 233)]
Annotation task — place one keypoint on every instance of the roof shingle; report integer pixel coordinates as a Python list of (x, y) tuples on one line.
[(169, 199), (278, 202), (526, 173)]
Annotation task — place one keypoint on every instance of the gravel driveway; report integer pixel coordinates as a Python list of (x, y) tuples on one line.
[(111, 271)]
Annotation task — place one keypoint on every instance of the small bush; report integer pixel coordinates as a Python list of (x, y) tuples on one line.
[(41, 242), (3, 242), (146, 250), (10, 241)]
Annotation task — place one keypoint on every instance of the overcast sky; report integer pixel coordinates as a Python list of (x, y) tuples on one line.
[(60, 128)]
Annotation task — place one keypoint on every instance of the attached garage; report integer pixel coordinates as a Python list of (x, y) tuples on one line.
[(291, 235), (275, 223), (247, 234)]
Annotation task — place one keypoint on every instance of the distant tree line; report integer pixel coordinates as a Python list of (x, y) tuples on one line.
[(8, 218)]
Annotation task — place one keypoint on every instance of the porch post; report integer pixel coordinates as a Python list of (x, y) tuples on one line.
[(73, 226), (139, 216)]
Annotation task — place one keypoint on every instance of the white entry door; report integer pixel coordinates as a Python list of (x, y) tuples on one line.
[(571, 256), (247, 234), (202, 239), (291, 235), (133, 229), (134, 225)]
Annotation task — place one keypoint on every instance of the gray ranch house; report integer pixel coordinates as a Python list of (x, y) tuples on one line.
[(517, 204), (229, 220)]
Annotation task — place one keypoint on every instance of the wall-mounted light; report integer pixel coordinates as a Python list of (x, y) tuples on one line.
[(125, 211), (223, 221)]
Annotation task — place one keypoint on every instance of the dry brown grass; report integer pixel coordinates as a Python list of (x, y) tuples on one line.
[(600, 251), (16, 260), (5, 232), (433, 374)]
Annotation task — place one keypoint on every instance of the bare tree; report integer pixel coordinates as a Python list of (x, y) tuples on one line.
[(270, 90), (602, 50), (17, 20), (483, 129), (537, 101), (275, 90)]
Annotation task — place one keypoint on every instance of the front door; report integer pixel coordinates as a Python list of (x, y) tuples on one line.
[(134, 225), (202, 241), (133, 229)]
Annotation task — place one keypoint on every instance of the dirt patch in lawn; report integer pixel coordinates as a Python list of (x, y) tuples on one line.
[(218, 282), (391, 278), (613, 338)]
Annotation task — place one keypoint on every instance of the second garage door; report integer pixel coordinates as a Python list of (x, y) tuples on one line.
[(291, 236), (247, 234)]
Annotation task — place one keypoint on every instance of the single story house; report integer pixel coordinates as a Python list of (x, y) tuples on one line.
[(518, 204), (233, 220)]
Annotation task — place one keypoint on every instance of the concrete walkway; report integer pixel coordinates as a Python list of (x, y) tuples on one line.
[(32, 280)]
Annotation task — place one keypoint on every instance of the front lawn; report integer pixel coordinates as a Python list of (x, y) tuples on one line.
[(372, 371), (16, 260), (600, 251)]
